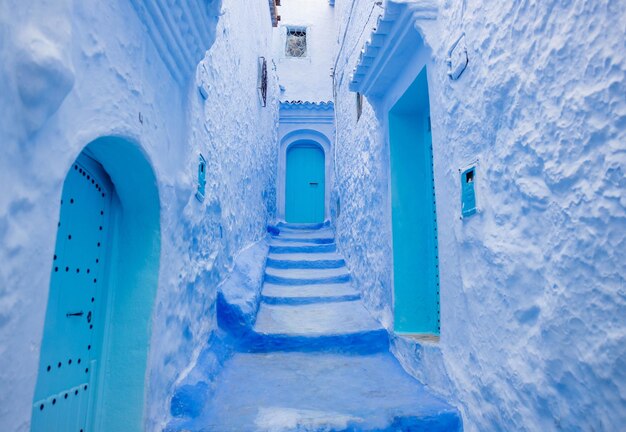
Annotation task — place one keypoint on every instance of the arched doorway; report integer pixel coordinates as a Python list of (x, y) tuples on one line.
[(305, 183), (104, 278)]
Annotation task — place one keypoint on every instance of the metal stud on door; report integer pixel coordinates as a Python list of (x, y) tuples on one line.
[(70, 349)]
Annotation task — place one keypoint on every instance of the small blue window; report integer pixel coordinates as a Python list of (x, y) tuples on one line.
[(468, 193), (201, 178)]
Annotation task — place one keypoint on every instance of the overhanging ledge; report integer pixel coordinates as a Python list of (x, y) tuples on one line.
[(394, 39), (307, 112)]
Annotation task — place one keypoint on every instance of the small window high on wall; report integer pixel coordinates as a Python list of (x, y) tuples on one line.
[(295, 44)]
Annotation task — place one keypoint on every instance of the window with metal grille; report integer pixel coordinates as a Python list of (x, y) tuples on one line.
[(295, 45), (262, 81)]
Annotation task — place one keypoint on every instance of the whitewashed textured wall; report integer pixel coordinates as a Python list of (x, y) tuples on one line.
[(306, 78), (75, 71), (533, 295)]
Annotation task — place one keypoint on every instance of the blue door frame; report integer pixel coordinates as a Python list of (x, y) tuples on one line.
[(414, 222), (305, 184), (106, 389)]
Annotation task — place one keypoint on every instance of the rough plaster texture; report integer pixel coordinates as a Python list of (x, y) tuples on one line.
[(76, 71), (237, 137), (306, 78), (533, 297)]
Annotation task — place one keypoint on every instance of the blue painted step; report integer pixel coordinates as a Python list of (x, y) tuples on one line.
[(308, 294), (313, 360), (304, 264), (335, 326), (303, 281), (304, 226), (280, 249), (308, 300), (313, 240), (363, 342), (319, 392)]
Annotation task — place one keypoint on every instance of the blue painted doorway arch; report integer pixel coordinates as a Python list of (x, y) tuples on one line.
[(102, 368), (305, 183)]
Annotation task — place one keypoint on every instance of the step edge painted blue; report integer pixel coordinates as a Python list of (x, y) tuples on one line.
[(273, 300), (365, 342), (279, 280), (278, 249), (305, 264), (303, 226), (315, 240)]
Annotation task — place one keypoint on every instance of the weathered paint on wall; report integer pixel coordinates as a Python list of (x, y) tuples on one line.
[(97, 72), (532, 286)]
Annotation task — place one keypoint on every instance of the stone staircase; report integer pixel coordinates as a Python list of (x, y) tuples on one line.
[(314, 359)]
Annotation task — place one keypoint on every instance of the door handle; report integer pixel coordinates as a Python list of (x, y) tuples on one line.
[(74, 314), (313, 183)]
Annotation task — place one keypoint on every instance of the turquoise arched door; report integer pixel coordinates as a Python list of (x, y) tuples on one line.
[(305, 185), (75, 317)]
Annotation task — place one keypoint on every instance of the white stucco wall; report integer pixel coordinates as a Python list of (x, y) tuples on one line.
[(533, 331), (307, 78), (76, 71)]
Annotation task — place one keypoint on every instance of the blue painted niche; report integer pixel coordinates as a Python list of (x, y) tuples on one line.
[(468, 193)]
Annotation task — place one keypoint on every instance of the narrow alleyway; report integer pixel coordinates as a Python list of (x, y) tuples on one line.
[(312, 215), (315, 360)]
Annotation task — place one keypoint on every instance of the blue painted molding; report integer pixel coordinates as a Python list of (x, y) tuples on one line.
[(181, 31), (305, 105), (307, 112), (383, 54)]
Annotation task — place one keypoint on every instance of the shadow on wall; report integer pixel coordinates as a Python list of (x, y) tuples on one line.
[(103, 284)]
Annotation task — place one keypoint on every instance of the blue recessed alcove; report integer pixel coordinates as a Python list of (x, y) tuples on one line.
[(468, 192)]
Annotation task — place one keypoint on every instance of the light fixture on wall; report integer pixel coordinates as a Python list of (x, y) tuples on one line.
[(262, 81)]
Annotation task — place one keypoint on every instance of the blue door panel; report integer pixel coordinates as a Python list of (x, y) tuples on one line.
[(305, 184), (74, 321), (414, 224)]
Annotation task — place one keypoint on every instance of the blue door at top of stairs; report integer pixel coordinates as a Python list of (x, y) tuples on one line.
[(64, 396), (305, 184)]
